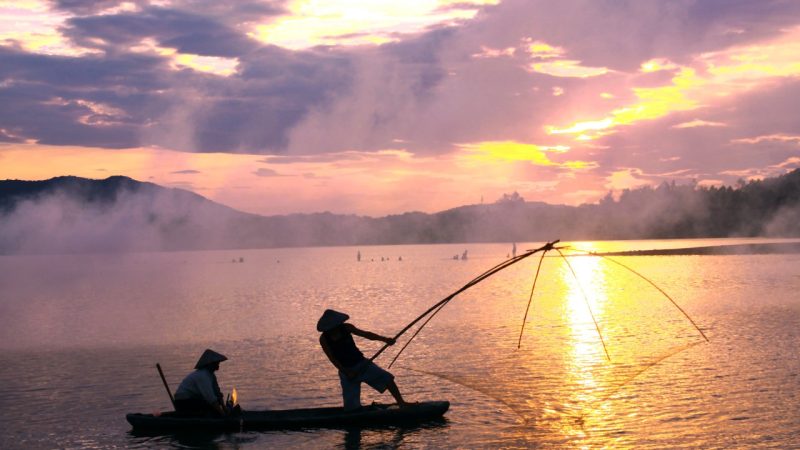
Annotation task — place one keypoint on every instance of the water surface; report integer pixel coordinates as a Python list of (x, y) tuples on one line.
[(80, 336)]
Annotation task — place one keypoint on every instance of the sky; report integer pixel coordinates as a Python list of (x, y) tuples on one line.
[(379, 107)]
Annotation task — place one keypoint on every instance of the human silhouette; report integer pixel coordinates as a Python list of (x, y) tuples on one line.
[(199, 393), (337, 343)]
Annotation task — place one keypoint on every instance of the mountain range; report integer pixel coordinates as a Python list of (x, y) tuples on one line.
[(71, 214)]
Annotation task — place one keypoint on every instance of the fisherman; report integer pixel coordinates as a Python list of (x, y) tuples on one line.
[(337, 342), (199, 393)]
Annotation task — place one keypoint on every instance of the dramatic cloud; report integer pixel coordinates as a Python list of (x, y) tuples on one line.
[(185, 32), (560, 101)]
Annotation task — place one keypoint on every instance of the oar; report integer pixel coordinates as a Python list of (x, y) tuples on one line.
[(166, 386)]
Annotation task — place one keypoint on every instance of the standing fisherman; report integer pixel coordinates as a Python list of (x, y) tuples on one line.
[(199, 393), (337, 342)]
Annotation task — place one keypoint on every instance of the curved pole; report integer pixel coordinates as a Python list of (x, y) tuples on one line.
[(586, 300), (445, 300), (685, 314), (530, 299), (473, 282), (416, 333)]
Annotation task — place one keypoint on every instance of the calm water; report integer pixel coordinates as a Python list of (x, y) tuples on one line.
[(80, 336)]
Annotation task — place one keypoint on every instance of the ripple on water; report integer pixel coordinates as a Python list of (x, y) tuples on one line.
[(662, 388)]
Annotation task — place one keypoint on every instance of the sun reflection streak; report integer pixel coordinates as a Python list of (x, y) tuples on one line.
[(584, 350), (584, 296)]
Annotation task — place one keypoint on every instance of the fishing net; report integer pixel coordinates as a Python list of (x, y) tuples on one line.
[(595, 328)]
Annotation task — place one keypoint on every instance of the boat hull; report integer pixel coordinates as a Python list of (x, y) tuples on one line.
[(368, 416)]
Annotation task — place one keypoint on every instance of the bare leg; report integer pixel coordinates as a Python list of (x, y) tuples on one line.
[(392, 386)]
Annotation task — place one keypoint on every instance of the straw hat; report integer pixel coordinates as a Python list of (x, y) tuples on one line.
[(331, 319), (209, 357)]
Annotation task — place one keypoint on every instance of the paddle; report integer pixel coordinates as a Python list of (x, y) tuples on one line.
[(166, 386)]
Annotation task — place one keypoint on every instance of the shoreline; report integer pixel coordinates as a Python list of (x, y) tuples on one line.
[(774, 248)]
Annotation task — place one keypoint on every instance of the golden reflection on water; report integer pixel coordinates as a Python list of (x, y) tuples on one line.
[(634, 325), (584, 306), (584, 348), (738, 391), (601, 305)]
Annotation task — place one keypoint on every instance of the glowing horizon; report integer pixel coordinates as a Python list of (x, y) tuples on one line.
[(375, 108)]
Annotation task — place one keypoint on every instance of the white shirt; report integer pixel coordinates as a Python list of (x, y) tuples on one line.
[(198, 384)]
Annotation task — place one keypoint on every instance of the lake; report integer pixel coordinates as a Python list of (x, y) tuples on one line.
[(80, 336)]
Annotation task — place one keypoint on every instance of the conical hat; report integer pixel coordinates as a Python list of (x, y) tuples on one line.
[(209, 357), (331, 319)]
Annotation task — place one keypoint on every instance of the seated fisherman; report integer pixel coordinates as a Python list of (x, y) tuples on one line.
[(337, 342), (199, 393)]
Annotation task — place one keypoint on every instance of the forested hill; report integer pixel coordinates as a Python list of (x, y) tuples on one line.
[(70, 214), (769, 207)]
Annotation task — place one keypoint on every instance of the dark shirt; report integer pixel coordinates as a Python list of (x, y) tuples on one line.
[(343, 349)]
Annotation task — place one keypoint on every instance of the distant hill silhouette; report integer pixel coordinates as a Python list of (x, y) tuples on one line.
[(71, 214)]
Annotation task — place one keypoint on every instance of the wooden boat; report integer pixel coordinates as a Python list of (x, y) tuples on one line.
[(368, 416)]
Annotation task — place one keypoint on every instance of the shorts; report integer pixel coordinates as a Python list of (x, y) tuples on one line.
[(368, 372)]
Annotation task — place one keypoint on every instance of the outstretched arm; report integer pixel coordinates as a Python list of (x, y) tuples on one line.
[(369, 335)]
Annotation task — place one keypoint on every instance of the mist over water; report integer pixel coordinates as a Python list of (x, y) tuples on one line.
[(80, 335), (116, 215)]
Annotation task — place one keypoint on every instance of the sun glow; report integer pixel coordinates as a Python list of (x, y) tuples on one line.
[(582, 127), (518, 151), (655, 65), (359, 22), (566, 68), (215, 65), (32, 25), (699, 123), (542, 50), (721, 74), (581, 303)]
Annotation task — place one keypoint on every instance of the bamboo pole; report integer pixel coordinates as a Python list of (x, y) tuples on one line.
[(586, 300), (685, 314), (166, 386), (530, 299), (433, 310)]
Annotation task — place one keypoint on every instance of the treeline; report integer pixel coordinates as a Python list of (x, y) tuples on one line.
[(769, 207), (69, 214)]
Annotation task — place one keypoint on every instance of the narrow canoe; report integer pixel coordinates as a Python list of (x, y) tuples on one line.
[(368, 416)]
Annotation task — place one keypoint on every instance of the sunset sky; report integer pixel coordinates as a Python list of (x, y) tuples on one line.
[(379, 107)]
